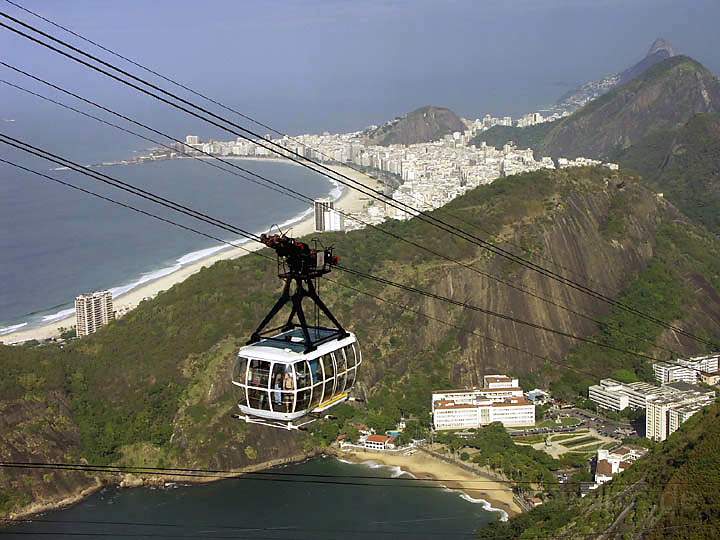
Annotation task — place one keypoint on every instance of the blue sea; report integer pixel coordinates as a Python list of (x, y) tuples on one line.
[(57, 243), (246, 508)]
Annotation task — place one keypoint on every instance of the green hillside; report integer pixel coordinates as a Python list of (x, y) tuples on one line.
[(669, 494), (664, 97), (153, 388), (683, 164)]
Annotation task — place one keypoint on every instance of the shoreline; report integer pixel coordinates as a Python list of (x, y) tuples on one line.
[(349, 201), (134, 480), (493, 495)]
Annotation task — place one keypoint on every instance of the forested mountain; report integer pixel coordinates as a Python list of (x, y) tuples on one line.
[(154, 388), (664, 97), (659, 50), (684, 165), (425, 124)]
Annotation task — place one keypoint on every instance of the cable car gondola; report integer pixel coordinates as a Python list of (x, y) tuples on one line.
[(290, 374)]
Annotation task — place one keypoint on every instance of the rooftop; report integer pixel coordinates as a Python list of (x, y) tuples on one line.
[(293, 341), (379, 439)]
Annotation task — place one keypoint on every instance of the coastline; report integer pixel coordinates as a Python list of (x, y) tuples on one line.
[(475, 488), (349, 201), (134, 480)]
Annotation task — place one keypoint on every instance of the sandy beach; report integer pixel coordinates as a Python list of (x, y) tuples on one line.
[(421, 465), (349, 202)]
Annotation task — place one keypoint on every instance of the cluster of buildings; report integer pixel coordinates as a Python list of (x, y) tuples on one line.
[(611, 462), (428, 175), (500, 399), (669, 405), (93, 311), (530, 119), (700, 369)]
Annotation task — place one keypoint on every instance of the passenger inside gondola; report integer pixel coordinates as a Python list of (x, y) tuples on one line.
[(288, 385)]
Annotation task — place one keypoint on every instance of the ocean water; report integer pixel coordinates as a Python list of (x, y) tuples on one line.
[(56, 242), (271, 510)]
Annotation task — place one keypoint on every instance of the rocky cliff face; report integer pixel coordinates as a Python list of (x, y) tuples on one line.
[(426, 124), (664, 97)]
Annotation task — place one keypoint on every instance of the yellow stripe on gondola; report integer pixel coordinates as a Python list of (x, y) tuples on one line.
[(332, 401)]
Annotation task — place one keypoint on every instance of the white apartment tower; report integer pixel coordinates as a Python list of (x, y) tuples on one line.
[(93, 311), (326, 217), (665, 414)]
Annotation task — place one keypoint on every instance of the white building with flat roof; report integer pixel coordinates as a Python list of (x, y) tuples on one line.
[(608, 395), (93, 311), (516, 411), (686, 370), (500, 381), (665, 414), (500, 400), (616, 396)]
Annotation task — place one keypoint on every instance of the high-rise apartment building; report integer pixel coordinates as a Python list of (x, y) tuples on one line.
[(665, 414), (321, 207), (326, 217), (93, 311)]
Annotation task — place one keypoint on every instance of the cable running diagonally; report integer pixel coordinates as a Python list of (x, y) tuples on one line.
[(322, 169)]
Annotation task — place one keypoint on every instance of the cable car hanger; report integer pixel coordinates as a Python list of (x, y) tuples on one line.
[(298, 263)]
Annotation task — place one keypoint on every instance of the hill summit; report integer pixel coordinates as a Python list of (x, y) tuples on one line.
[(665, 96), (659, 51), (425, 124)]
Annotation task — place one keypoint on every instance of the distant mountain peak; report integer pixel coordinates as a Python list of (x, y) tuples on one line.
[(426, 124), (661, 44), (660, 50)]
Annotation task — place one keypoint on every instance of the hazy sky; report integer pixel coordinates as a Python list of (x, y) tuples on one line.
[(341, 65)]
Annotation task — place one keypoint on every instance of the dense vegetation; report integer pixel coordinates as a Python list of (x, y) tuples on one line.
[(670, 494), (525, 137), (683, 164), (496, 450)]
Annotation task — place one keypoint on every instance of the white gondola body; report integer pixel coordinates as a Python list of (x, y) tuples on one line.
[(279, 382)]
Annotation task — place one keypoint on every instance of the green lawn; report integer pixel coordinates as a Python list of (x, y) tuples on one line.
[(529, 439), (590, 449), (566, 436), (578, 442)]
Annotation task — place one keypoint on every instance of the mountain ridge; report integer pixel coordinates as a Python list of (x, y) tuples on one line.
[(666, 96), (572, 100)]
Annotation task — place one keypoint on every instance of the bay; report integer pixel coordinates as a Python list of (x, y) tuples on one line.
[(57, 243), (242, 508)]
